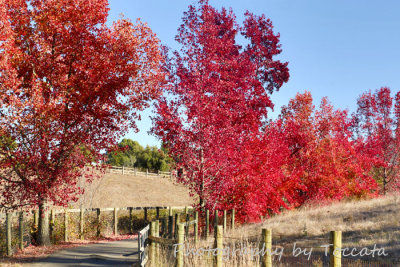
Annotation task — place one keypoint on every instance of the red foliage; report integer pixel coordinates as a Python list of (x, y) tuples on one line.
[(69, 88), (377, 122), (217, 98), (327, 159), (262, 183)]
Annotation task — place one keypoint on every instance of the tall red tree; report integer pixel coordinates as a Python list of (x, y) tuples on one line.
[(262, 182), (70, 86), (217, 95), (323, 152), (377, 122)]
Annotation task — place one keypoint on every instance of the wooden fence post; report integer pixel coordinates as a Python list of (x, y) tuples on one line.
[(21, 230), (157, 234), (65, 226), (170, 211), (145, 214), (165, 227), (170, 226), (36, 219), (219, 234), (181, 240), (98, 232), (177, 221), (186, 210), (130, 220), (224, 221), (233, 219), (8, 233), (266, 259), (115, 221), (158, 212), (215, 220), (81, 224), (207, 223), (187, 225), (196, 227), (335, 250), (52, 225), (153, 244)]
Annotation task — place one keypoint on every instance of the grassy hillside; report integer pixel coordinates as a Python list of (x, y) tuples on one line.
[(363, 223), (116, 190)]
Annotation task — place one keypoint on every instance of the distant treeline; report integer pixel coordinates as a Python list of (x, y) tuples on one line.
[(131, 154)]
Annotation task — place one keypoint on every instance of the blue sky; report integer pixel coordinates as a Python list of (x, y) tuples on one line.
[(337, 49)]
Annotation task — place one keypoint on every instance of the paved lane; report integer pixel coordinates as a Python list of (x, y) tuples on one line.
[(117, 253)]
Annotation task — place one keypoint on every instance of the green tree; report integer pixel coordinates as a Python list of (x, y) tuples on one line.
[(131, 154)]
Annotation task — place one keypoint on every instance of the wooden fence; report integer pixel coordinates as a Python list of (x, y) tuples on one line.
[(175, 232), (33, 216), (136, 172), (161, 235)]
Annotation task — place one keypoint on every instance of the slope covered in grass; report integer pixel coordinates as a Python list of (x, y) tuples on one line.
[(364, 224), (117, 190)]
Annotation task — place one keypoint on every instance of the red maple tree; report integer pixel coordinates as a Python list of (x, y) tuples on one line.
[(217, 96), (377, 121), (262, 183), (70, 87), (324, 153)]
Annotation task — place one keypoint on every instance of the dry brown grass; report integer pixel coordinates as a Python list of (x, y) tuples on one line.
[(363, 223), (116, 190), (380, 213)]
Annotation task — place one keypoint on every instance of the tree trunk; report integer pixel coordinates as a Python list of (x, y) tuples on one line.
[(202, 179), (44, 229), (384, 180)]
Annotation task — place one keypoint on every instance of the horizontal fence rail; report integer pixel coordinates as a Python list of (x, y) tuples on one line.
[(172, 229), (19, 228), (136, 172)]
